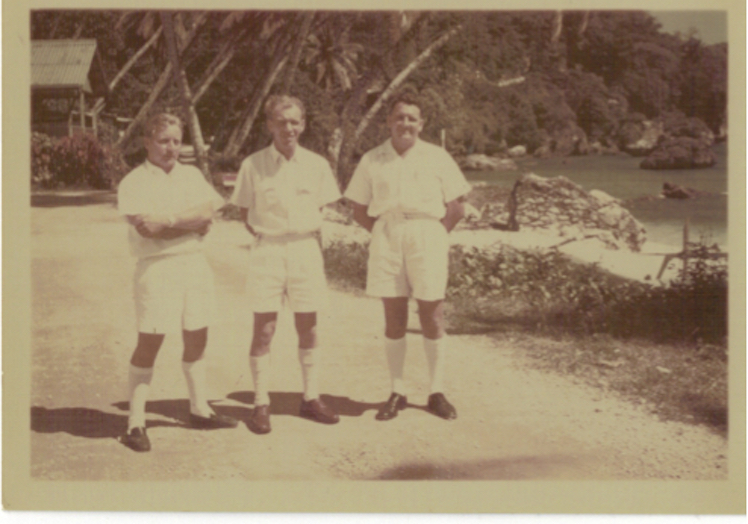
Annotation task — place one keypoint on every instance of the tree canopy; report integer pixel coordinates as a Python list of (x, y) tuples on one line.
[(492, 79)]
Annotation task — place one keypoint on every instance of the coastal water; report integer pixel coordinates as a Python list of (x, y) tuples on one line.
[(621, 177)]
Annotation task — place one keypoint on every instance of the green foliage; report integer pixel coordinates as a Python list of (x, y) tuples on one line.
[(545, 291), (345, 263), (77, 161)]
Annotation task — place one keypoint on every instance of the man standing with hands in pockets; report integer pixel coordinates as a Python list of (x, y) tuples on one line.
[(281, 190), (408, 194)]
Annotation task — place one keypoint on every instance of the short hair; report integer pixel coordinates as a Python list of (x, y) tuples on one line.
[(407, 98), (283, 101), (161, 121)]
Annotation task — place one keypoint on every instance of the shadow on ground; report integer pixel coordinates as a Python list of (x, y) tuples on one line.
[(282, 403), (515, 468), (73, 198), (82, 422)]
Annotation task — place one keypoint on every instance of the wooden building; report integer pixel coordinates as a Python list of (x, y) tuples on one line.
[(67, 78)]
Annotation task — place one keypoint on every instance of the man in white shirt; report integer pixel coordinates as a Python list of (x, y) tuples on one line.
[(408, 194), (169, 207), (281, 190)]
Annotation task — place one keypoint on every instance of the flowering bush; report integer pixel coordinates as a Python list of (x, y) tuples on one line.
[(80, 160)]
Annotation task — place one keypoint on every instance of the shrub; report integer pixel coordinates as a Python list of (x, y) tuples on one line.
[(345, 263), (41, 155), (548, 292), (80, 160)]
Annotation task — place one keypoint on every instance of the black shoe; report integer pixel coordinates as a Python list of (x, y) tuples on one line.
[(137, 440), (260, 421), (439, 406), (214, 421), (395, 403), (318, 411)]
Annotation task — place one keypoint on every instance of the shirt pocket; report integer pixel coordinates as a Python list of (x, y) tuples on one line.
[(429, 187), (268, 194)]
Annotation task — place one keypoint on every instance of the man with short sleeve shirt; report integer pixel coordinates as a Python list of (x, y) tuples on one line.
[(408, 194), (169, 208), (280, 191)]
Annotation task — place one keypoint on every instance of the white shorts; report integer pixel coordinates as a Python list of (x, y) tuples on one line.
[(408, 257), (287, 268), (173, 292)]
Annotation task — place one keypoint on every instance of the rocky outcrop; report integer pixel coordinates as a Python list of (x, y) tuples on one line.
[(560, 206), (517, 151), (647, 134), (680, 153), (680, 193)]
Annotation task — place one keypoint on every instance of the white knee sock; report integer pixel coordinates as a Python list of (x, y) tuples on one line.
[(260, 367), (395, 349), (139, 381), (194, 372), (436, 351), (307, 358)]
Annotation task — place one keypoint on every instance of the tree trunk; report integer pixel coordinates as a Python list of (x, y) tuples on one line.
[(184, 90), (400, 78), (128, 65), (293, 62), (349, 143), (240, 133), (158, 87)]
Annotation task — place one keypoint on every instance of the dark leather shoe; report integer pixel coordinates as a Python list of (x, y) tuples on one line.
[(318, 411), (214, 421), (137, 440), (259, 422), (439, 406), (395, 403)]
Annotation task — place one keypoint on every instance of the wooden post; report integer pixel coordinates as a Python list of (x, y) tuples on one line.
[(83, 109), (685, 248)]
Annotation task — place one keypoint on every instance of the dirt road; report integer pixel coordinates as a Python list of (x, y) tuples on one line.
[(513, 422)]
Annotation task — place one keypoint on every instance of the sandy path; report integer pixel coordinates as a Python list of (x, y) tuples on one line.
[(514, 422)]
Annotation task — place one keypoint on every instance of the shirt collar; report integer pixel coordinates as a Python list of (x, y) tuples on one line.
[(153, 168), (278, 157), (392, 152)]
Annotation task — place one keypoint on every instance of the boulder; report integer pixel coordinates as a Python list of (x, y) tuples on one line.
[(649, 135), (560, 206), (571, 140), (517, 151), (681, 193), (680, 153)]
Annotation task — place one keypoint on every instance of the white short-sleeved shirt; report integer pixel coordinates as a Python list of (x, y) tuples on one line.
[(421, 182), (148, 189), (284, 196)]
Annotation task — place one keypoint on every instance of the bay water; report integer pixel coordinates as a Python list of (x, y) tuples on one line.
[(620, 176)]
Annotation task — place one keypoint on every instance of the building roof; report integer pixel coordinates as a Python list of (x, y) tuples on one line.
[(67, 64)]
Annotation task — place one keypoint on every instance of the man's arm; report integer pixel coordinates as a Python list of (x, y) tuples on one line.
[(166, 227), (455, 212), (361, 216), (244, 212)]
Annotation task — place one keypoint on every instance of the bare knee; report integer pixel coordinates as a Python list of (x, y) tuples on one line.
[(146, 351), (194, 344), (262, 336), (306, 328), (431, 315), (395, 317)]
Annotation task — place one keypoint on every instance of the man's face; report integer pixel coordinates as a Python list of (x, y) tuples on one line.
[(286, 125), (163, 147), (405, 125)]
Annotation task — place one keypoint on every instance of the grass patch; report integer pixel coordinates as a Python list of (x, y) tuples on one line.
[(680, 382)]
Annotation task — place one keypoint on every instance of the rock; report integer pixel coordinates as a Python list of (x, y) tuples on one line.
[(672, 191), (480, 162), (570, 140), (563, 207), (603, 197), (650, 133), (680, 153), (517, 151), (543, 151)]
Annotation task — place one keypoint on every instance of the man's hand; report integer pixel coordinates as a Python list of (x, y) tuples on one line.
[(153, 223)]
